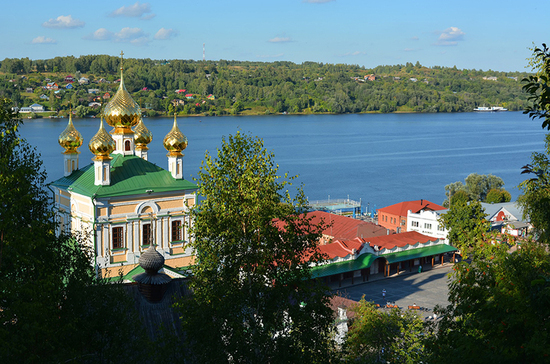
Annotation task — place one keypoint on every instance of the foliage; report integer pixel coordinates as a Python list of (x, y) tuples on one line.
[(496, 195), (535, 193), (274, 87), (379, 337), (477, 186), (467, 226), (499, 308), (253, 300), (538, 87), (52, 308)]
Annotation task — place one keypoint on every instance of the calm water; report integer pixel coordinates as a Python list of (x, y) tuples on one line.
[(379, 158)]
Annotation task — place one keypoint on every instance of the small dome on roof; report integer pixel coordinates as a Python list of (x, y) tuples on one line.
[(102, 143), (175, 141), (70, 138)]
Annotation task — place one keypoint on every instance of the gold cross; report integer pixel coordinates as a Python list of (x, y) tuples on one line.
[(121, 58)]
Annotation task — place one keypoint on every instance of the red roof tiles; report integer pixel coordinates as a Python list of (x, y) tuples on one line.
[(401, 209), (341, 248), (400, 240), (346, 228)]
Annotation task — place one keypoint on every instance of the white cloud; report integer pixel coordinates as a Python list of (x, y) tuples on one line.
[(165, 33), (450, 37), (135, 36), (280, 40), (415, 38), (135, 11), (100, 34), (63, 21), (43, 40)]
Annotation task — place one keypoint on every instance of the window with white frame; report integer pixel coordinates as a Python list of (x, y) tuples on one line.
[(118, 237), (177, 230), (427, 226), (145, 234), (414, 223)]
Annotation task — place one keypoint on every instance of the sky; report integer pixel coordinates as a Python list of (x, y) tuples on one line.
[(486, 35)]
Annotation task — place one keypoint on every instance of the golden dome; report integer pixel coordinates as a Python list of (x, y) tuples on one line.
[(122, 112), (102, 144), (142, 135), (70, 138), (175, 141)]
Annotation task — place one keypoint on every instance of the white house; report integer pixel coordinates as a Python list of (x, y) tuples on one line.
[(32, 108), (427, 223), (506, 217)]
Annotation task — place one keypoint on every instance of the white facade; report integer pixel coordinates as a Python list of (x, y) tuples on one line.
[(427, 223)]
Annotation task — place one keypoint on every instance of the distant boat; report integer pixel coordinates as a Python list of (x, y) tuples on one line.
[(490, 109)]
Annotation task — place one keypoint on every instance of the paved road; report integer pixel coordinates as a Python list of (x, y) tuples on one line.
[(426, 289)]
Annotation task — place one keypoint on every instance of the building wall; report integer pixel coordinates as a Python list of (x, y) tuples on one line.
[(392, 222), (426, 222), (76, 215)]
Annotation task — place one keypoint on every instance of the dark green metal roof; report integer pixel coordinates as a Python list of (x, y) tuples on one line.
[(130, 175), (418, 253), (363, 261)]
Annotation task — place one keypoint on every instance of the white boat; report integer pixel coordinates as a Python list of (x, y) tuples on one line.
[(490, 109)]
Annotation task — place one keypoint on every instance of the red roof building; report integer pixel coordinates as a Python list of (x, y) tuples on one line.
[(345, 228), (410, 239), (394, 217)]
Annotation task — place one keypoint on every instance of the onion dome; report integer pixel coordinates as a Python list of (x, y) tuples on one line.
[(151, 260), (70, 138), (142, 135), (122, 112), (102, 144), (175, 141)]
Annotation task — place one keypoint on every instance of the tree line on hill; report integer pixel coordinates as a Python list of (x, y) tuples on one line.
[(238, 87)]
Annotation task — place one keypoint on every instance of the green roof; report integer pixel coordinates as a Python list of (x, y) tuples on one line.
[(130, 175), (361, 262), (418, 253), (365, 260), (138, 270)]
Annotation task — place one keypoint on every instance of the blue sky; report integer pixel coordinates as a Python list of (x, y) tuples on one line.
[(469, 34)]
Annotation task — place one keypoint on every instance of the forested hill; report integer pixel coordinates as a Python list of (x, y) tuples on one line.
[(222, 87)]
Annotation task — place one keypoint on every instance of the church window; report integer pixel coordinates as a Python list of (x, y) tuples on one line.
[(118, 238), (145, 234), (127, 146), (176, 230)]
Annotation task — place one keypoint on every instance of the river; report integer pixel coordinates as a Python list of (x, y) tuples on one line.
[(380, 159)]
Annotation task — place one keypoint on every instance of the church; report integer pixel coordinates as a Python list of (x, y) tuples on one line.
[(121, 202)]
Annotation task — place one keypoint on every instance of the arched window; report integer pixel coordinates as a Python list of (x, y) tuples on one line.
[(127, 146)]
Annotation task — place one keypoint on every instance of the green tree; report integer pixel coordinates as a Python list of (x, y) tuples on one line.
[(451, 189), (538, 87), (375, 336), (253, 300), (496, 195), (499, 308), (53, 309), (476, 186), (237, 107), (467, 226), (479, 185)]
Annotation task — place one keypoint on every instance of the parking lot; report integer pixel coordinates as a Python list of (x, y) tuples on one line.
[(425, 289)]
